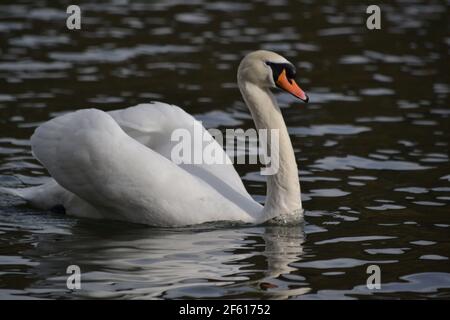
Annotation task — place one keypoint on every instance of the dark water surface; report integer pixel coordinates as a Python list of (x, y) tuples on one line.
[(372, 146)]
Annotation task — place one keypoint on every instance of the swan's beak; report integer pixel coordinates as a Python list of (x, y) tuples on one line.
[(289, 85)]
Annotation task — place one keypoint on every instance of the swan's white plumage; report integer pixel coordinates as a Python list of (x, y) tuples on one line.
[(118, 165), (153, 124), (89, 154)]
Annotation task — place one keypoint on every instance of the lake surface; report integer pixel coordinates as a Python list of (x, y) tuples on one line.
[(372, 147)]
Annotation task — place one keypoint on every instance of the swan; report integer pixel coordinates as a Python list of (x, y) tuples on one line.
[(116, 165)]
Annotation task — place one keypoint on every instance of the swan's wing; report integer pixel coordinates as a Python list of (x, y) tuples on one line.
[(153, 125), (90, 155)]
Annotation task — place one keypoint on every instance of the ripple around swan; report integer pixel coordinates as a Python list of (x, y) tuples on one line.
[(217, 118), (387, 251), (34, 66), (384, 207), (328, 193), (415, 190), (118, 54), (323, 97), (321, 130), (426, 282), (355, 162), (354, 239), (34, 41), (338, 263)]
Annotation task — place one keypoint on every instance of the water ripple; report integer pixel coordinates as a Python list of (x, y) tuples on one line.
[(354, 162)]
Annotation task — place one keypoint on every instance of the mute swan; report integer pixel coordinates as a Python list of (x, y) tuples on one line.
[(116, 165)]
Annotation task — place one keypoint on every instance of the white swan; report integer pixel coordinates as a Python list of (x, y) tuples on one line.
[(117, 165)]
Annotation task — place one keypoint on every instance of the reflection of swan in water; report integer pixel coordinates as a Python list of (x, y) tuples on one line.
[(159, 263), (283, 246)]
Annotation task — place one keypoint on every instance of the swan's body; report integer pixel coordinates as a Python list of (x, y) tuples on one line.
[(117, 165)]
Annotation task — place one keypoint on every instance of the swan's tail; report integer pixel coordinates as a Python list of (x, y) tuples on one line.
[(21, 193), (30, 194), (44, 197)]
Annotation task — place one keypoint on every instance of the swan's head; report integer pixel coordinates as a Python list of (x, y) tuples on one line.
[(268, 69)]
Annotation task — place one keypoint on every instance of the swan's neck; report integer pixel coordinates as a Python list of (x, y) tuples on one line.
[(283, 187)]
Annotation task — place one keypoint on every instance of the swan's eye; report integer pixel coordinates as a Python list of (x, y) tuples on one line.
[(277, 68), (290, 70)]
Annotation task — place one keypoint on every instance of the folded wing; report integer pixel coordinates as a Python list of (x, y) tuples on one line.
[(89, 154)]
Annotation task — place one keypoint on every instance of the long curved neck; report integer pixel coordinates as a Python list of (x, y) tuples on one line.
[(283, 187)]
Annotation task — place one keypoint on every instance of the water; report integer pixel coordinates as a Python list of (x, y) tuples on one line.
[(372, 147)]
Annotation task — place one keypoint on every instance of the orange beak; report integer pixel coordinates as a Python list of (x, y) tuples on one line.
[(289, 85)]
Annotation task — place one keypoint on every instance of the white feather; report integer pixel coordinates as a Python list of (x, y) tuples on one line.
[(89, 154)]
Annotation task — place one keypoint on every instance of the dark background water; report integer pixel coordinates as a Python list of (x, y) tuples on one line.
[(372, 146)]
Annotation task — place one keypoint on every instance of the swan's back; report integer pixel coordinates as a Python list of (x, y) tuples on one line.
[(89, 154)]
